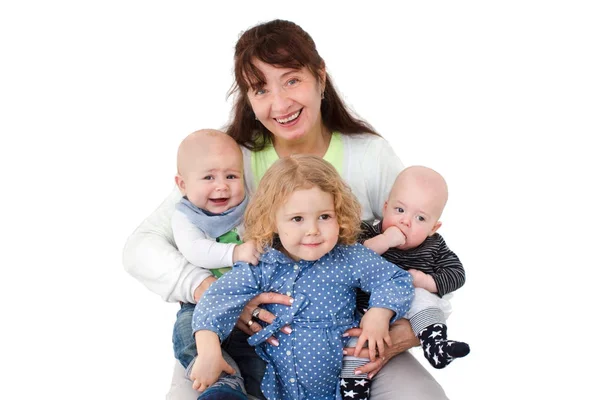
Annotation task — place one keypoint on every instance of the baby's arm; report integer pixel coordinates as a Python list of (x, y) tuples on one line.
[(392, 237), (449, 273), (210, 363), (204, 252), (422, 280)]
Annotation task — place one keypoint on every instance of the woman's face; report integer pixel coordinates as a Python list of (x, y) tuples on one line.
[(289, 104)]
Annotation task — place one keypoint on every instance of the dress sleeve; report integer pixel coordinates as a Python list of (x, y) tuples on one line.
[(151, 257), (449, 274), (198, 248), (220, 306), (390, 286)]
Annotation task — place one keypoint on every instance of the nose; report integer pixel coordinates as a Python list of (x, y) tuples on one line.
[(405, 220), (281, 102), (312, 229), (221, 185)]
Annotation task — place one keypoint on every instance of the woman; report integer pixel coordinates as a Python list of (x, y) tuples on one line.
[(285, 104)]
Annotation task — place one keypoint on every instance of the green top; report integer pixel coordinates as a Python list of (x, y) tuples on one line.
[(262, 160), (228, 237)]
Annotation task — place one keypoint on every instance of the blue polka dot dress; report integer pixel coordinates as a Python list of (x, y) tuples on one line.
[(307, 363)]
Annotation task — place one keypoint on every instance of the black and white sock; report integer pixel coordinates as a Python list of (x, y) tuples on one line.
[(355, 388), (438, 350)]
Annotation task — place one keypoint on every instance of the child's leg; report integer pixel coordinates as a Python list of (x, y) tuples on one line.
[(250, 364), (352, 385), (184, 345), (429, 324)]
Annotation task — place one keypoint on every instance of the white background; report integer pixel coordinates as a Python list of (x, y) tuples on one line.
[(502, 98)]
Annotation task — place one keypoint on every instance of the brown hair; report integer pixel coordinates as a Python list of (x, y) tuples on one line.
[(282, 44), (292, 173)]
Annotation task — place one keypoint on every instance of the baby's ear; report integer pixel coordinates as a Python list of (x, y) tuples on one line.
[(435, 228), (180, 183)]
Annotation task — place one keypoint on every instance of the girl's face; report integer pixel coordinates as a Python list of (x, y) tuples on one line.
[(307, 224), (289, 104)]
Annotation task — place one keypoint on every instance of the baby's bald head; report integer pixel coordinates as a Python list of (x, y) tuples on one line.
[(194, 149), (427, 181)]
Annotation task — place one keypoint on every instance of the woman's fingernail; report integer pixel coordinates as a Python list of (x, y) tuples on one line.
[(345, 335), (287, 330), (358, 372), (370, 376), (291, 301), (345, 352), (275, 342)]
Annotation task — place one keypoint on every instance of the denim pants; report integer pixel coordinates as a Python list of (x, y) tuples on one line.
[(251, 365)]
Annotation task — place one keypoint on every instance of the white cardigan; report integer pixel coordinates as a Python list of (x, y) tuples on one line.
[(370, 168)]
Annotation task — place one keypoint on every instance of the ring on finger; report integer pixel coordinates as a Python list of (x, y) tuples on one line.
[(250, 323), (255, 312)]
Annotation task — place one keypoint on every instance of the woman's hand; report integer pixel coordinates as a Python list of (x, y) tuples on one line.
[(262, 314), (403, 338)]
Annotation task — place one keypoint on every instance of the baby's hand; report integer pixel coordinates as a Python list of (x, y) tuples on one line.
[(422, 280), (394, 236), (246, 252), (375, 326)]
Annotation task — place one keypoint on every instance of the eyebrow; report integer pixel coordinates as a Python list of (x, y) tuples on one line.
[(290, 72), (419, 211), (205, 171), (304, 213)]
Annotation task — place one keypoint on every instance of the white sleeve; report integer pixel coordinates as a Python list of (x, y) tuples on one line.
[(197, 248), (150, 256), (381, 166)]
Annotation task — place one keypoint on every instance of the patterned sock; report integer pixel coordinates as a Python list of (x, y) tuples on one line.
[(355, 388), (438, 350)]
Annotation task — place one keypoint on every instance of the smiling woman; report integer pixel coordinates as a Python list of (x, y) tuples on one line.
[(285, 103)]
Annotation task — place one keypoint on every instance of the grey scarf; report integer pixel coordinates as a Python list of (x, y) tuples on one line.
[(214, 225)]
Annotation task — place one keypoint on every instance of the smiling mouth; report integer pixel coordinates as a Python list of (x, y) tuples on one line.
[(311, 244), (291, 118), (220, 200)]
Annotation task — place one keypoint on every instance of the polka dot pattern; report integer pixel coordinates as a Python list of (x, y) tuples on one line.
[(307, 363)]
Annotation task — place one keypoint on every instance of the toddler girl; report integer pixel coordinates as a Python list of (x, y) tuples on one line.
[(304, 220)]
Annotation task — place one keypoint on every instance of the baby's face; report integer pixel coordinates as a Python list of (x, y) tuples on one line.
[(415, 209), (214, 181)]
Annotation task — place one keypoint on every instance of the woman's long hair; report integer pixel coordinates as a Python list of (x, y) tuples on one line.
[(282, 44)]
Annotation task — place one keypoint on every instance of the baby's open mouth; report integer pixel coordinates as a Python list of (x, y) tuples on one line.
[(220, 200)]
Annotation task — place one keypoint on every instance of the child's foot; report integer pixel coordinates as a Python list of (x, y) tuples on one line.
[(359, 387), (438, 350)]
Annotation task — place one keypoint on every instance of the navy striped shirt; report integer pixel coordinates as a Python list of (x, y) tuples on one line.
[(432, 257)]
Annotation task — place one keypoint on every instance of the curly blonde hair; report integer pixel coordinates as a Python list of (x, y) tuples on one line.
[(286, 176)]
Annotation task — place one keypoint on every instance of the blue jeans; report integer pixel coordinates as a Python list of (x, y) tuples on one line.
[(250, 364)]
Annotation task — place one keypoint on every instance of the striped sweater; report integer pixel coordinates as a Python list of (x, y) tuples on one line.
[(432, 257)]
